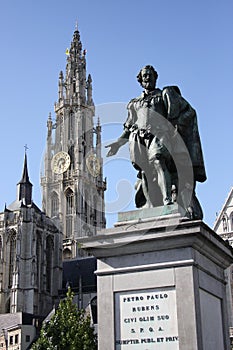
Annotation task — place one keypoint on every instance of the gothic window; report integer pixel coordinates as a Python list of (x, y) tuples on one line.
[(59, 128), (15, 218), (69, 201), (84, 143), (67, 254), (224, 222), (12, 257), (39, 260), (231, 221), (71, 154), (49, 257), (54, 205), (86, 212), (70, 126), (74, 86), (68, 226), (0, 247), (69, 212), (95, 210)]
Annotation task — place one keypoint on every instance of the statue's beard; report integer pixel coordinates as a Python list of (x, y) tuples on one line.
[(148, 85)]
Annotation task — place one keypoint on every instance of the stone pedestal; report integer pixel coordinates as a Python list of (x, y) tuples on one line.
[(161, 284)]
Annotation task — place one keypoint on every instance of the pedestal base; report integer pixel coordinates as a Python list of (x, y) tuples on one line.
[(150, 214), (161, 285)]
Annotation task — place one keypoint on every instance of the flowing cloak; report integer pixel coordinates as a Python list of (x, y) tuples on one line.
[(182, 115)]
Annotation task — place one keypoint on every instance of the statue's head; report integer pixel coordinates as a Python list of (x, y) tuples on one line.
[(147, 77)]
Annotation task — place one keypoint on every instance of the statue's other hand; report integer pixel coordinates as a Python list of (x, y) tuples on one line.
[(113, 148)]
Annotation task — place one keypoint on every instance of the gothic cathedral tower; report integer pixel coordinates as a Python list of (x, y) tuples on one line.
[(31, 255), (72, 183)]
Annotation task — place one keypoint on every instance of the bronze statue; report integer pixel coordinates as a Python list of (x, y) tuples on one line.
[(164, 145)]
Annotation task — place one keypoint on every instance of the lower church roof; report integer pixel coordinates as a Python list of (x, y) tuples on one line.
[(79, 273)]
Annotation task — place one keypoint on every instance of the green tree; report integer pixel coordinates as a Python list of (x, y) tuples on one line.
[(68, 329)]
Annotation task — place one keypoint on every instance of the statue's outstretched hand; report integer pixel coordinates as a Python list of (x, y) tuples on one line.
[(114, 147)]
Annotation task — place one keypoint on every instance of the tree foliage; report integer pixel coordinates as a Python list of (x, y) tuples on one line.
[(68, 329)]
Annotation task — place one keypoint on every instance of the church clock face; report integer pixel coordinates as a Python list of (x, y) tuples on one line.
[(60, 162), (93, 165)]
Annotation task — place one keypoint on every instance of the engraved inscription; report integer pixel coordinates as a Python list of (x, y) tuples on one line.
[(145, 318)]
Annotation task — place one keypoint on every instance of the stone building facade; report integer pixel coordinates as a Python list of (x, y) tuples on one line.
[(224, 221), (72, 182), (224, 227), (30, 253)]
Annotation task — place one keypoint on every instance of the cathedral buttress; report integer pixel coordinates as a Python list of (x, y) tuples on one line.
[(72, 183)]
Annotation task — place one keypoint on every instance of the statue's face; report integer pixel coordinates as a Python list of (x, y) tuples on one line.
[(148, 79)]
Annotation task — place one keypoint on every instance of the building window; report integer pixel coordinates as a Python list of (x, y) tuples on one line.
[(224, 222), (95, 210), (231, 221), (12, 257), (67, 254), (69, 202), (0, 247), (69, 226), (11, 340), (15, 218), (71, 126), (84, 144), (49, 259), (69, 212), (86, 206), (71, 154), (16, 339), (39, 260), (54, 205), (27, 338)]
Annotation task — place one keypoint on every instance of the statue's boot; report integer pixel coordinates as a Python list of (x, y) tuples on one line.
[(164, 180), (190, 202), (146, 191)]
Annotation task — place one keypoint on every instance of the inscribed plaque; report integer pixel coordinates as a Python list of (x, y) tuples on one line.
[(146, 318)]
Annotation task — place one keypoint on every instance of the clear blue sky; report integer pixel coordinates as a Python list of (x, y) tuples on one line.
[(189, 43)]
